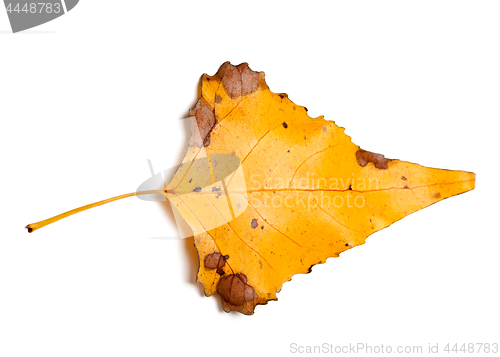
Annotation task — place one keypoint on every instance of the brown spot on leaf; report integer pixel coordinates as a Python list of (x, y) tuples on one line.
[(197, 189), (235, 290), (437, 195), (215, 260), (238, 80), (285, 125), (364, 157), (218, 99), (254, 223), (403, 178)]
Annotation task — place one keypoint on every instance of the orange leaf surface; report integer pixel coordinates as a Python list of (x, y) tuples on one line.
[(299, 193)]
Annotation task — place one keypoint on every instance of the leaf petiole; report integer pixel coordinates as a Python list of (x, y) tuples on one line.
[(34, 226)]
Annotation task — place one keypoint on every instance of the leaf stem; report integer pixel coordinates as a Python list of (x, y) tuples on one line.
[(34, 226)]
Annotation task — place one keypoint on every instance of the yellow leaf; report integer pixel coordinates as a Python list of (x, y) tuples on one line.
[(303, 192)]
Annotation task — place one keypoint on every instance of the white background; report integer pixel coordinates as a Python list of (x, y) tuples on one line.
[(86, 99)]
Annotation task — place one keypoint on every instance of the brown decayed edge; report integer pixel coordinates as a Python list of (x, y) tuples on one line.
[(204, 119), (235, 290), (364, 157), (237, 81)]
